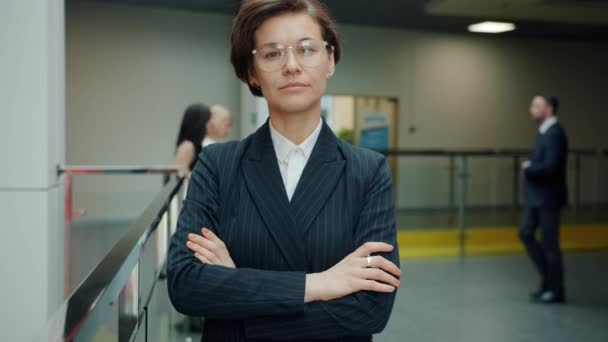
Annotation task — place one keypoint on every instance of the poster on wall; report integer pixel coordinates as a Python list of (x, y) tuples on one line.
[(375, 130)]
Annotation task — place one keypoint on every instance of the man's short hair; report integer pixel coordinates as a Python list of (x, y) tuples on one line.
[(552, 101)]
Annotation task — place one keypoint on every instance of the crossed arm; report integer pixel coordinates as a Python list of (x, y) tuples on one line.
[(351, 298)]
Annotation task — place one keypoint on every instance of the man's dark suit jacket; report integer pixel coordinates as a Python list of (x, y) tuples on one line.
[(545, 180), (343, 199)]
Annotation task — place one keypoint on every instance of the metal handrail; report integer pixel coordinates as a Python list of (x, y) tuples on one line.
[(458, 172), (104, 284), (507, 152), (69, 171), (115, 169)]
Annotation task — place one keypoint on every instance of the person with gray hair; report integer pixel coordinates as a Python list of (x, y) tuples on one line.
[(219, 125)]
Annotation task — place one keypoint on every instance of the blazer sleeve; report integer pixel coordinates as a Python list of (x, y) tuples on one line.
[(555, 154), (212, 291), (360, 314)]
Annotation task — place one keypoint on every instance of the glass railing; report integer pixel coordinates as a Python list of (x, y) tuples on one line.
[(100, 203), (111, 301), (459, 202)]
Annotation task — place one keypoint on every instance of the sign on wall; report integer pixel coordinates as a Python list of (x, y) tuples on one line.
[(375, 130)]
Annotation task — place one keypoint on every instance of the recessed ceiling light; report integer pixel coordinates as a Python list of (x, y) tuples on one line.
[(491, 27)]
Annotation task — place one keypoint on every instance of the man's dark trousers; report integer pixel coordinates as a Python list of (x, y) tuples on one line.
[(545, 254)]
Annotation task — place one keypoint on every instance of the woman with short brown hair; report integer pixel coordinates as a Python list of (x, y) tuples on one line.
[(298, 238)]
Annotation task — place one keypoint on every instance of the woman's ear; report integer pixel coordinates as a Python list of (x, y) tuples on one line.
[(331, 68), (253, 80)]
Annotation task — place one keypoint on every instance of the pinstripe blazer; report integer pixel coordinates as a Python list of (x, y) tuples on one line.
[(344, 198)]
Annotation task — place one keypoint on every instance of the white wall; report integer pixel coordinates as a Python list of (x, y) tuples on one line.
[(131, 74), (132, 70), (466, 91)]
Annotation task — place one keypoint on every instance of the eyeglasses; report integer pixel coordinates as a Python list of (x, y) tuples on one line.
[(308, 53)]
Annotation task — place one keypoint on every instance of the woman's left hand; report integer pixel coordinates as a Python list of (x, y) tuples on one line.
[(209, 249)]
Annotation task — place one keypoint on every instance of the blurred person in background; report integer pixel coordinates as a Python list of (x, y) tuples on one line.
[(290, 233), (192, 132), (219, 126), (546, 194)]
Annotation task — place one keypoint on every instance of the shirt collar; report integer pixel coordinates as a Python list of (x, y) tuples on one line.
[(283, 146), (544, 127), (208, 141)]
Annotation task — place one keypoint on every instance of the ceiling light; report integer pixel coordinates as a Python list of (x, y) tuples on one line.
[(492, 27)]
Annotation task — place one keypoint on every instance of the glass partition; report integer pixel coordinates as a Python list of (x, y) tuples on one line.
[(101, 202), (472, 202), (112, 301)]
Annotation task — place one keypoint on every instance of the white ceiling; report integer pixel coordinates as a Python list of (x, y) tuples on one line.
[(557, 19)]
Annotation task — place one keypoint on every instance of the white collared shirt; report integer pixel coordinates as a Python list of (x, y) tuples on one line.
[(208, 141), (544, 127), (292, 158)]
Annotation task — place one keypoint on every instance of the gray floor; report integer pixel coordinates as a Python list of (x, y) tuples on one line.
[(482, 299), (485, 299)]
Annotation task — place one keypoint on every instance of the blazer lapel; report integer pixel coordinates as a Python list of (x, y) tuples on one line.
[(265, 184), (319, 179)]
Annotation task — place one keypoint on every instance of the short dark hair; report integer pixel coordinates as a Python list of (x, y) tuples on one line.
[(552, 101), (253, 13)]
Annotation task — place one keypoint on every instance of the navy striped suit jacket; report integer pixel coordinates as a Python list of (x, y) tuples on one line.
[(344, 198)]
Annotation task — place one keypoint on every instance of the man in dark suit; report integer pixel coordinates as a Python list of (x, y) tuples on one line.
[(546, 194)]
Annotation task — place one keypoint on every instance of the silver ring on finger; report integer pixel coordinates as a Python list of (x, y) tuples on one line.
[(369, 261)]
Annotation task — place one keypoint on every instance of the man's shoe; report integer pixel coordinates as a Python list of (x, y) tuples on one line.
[(534, 296), (550, 297)]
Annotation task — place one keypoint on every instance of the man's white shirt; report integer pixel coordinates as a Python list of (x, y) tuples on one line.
[(544, 127)]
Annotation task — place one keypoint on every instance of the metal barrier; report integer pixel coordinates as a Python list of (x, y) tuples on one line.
[(69, 171), (121, 285), (458, 166)]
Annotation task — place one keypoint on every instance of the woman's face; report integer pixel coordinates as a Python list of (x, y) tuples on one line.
[(292, 87)]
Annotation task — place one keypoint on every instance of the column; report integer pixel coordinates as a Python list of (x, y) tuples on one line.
[(32, 125)]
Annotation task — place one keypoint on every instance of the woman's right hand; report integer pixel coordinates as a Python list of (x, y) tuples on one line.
[(353, 274)]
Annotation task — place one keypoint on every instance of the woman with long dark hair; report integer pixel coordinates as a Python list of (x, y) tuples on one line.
[(192, 131)]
